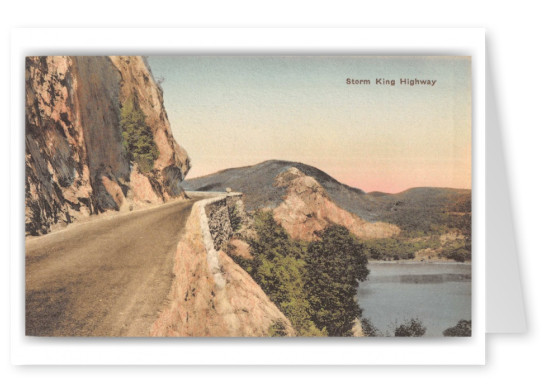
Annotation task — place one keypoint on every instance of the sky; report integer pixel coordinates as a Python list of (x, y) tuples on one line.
[(237, 111)]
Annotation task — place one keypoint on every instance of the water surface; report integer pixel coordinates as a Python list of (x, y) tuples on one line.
[(438, 294)]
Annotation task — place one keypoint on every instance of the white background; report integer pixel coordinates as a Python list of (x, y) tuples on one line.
[(518, 52)]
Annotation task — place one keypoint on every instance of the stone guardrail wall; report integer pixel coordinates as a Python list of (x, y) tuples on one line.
[(216, 228), (211, 295), (219, 219)]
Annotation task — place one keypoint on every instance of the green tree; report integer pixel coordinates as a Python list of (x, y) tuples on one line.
[(412, 328), (138, 142), (335, 265), (278, 266), (314, 284), (368, 329), (463, 328)]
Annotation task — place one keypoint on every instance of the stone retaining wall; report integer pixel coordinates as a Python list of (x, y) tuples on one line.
[(216, 298)]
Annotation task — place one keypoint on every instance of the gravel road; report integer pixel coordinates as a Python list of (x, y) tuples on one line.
[(105, 277)]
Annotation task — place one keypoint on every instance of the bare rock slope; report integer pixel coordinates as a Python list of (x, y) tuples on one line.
[(307, 208), (211, 296), (75, 163)]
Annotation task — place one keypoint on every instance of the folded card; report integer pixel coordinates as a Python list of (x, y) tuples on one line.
[(258, 195)]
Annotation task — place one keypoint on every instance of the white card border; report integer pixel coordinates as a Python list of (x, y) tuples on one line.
[(243, 351)]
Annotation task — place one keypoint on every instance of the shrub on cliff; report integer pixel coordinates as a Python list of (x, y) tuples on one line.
[(412, 328), (138, 142)]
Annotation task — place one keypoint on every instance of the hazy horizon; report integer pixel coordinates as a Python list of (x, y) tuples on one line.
[(370, 191), (229, 112)]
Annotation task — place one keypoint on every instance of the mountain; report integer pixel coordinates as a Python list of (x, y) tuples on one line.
[(422, 210), (76, 161), (257, 184)]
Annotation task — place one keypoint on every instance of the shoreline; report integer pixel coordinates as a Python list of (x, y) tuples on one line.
[(418, 262)]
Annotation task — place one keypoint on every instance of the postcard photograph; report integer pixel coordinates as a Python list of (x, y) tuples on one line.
[(248, 196)]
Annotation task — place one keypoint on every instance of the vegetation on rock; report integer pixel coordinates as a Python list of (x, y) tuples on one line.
[(463, 328), (423, 215), (398, 248), (459, 250), (314, 284), (279, 268), (137, 137), (412, 328)]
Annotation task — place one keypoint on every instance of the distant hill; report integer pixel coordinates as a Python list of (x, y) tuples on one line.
[(426, 210), (257, 184), (423, 209)]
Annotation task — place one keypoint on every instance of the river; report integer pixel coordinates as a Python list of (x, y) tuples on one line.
[(438, 294)]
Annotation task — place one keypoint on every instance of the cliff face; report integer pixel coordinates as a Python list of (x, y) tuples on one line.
[(307, 208), (212, 296), (75, 161)]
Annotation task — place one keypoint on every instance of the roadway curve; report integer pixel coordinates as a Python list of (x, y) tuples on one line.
[(106, 277)]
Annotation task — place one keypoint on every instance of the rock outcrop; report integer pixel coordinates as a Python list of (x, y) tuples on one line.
[(75, 161), (240, 248), (307, 208), (212, 296)]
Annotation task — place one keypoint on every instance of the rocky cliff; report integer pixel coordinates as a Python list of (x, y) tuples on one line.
[(307, 208), (212, 296), (75, 161)]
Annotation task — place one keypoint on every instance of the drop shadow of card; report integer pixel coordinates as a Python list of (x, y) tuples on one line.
[(505, 311)]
